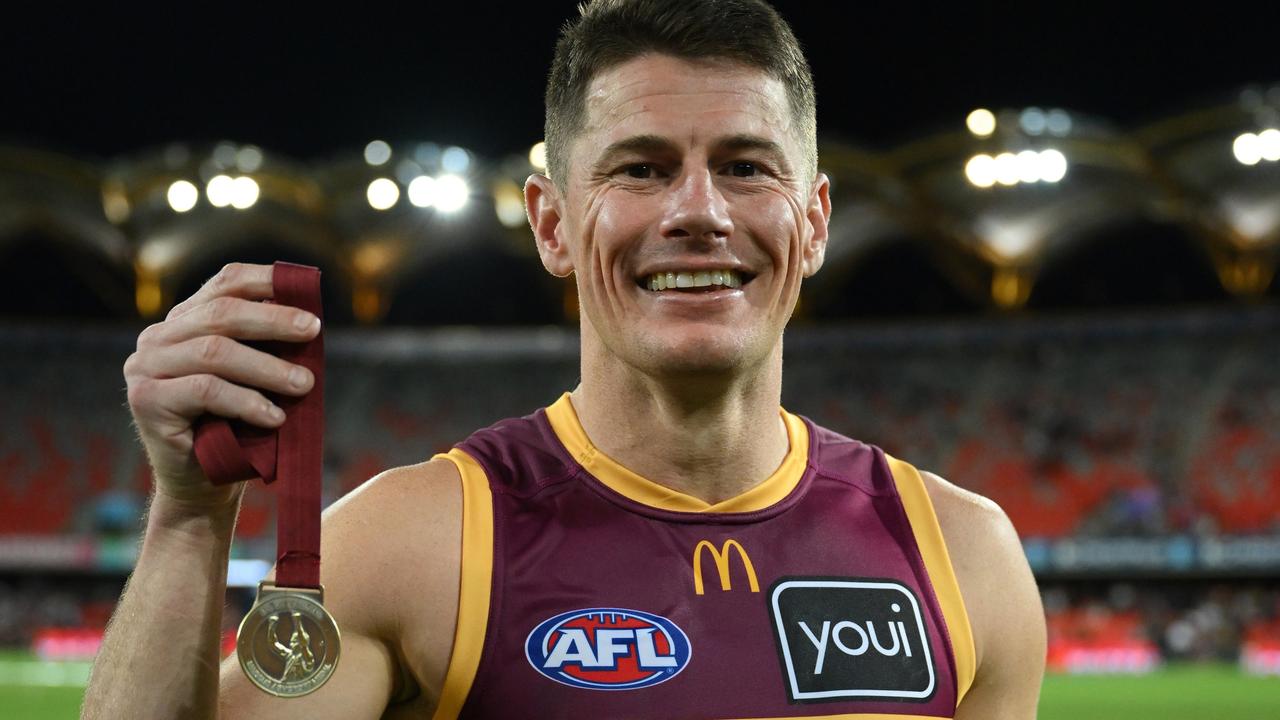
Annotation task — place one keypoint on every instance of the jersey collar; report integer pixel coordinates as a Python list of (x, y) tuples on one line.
[(564, 422)]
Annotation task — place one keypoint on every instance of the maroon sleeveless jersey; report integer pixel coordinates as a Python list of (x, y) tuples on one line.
[(590, 592)]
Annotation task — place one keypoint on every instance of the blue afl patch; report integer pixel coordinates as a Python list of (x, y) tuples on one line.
[(608, 649)]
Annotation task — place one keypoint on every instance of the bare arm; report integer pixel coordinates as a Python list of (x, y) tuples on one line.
[(1002, 601), (159, 658), (390, 555)]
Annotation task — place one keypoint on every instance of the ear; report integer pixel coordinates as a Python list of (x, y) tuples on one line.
[(543, 204), (818, 213)]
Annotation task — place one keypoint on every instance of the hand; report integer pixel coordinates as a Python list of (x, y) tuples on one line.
[(191, 364)]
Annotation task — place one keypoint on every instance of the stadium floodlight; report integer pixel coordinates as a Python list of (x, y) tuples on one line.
[(220, 190), (1247, 149), (383, 194), (1253, 221), (244, 192), (981, 122), (1028, 164), (508, 204), (981, 170), (455, 160), (224, 154), (1006, 167), (452, 193), (538, 155), (1058, 122), (161, 254), (1033, 121), (377, 153), (1011, 240), (182, 195), (1053, 165), (1269, 144), (422, 191), (249, 159)]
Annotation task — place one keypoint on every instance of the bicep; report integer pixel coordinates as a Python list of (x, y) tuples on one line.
[(387, 549), (1012, 632), (1002, 601), (359, 687)]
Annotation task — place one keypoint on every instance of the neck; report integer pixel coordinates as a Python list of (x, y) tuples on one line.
[(712, 436)]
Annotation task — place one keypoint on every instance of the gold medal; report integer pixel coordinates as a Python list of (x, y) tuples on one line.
[(288, 644)]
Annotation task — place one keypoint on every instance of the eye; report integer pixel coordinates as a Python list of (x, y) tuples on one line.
[(744, 169), (639, 171)]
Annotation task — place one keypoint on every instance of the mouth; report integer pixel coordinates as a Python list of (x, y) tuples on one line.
[(694, 281)]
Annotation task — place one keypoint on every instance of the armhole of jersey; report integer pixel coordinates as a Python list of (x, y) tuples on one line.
[(937, 562), (475, 582)]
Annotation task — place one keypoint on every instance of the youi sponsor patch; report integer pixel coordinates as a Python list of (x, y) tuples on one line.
[(608, 649), (842, 639)]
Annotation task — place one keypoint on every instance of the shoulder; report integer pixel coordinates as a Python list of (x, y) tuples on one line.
[(377, 537), (999, 592), (397, 498), (519, 454), (391, 559)]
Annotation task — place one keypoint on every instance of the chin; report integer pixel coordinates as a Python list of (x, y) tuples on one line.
[(696, 355)]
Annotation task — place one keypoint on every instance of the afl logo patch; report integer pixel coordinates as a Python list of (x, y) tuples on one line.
[(608, 649)]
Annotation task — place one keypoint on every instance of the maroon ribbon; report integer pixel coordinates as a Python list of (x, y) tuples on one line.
[(231, 451)]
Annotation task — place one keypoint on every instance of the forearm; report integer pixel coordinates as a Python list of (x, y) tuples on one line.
[(160, 656)]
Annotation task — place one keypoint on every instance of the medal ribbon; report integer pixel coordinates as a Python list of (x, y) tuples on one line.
[(231, 451)]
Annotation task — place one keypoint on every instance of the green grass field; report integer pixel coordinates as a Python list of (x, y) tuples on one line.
[(1174, 693), (32, 690)]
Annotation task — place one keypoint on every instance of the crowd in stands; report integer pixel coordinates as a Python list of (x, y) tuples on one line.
[(1126, 627), (1073, 431), (1146, 434)]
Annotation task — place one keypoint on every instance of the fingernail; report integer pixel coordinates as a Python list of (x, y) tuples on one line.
[(306, 321), (298, 377), (276, 413)]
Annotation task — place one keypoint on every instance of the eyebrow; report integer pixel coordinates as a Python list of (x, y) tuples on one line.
[(656, 144), (636, 144), (754, 142)]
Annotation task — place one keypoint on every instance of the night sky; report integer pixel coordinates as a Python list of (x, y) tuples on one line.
[(311, 83)]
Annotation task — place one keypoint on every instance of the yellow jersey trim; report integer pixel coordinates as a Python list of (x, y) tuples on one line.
[(937, 562), (565, 423), (853, 716), (476, 576)]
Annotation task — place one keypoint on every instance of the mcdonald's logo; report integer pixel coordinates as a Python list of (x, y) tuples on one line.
[(721, 557)]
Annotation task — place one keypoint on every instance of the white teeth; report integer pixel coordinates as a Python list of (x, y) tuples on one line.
[(702, 278)]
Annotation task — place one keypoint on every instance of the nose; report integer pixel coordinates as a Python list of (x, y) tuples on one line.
[(696, 209)]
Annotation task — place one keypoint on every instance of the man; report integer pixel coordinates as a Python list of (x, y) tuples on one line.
[(661, 542)]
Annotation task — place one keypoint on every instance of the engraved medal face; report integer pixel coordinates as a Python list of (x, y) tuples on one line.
[(288, 644)]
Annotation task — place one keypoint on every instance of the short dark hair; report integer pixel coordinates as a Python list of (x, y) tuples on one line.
[(611, 32)]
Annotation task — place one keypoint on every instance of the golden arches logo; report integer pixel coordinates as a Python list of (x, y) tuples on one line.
[(720, 556)]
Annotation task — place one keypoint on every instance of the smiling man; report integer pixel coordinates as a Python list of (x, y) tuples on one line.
[(663, 541)]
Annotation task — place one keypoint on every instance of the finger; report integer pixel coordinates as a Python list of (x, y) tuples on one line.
[(243, 280), (191, 396), (228, 359), (237, 318)]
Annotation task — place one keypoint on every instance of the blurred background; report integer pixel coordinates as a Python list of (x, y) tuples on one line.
[(1051, 279)]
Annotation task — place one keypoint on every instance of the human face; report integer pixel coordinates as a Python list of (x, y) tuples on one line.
[(684, 167)]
